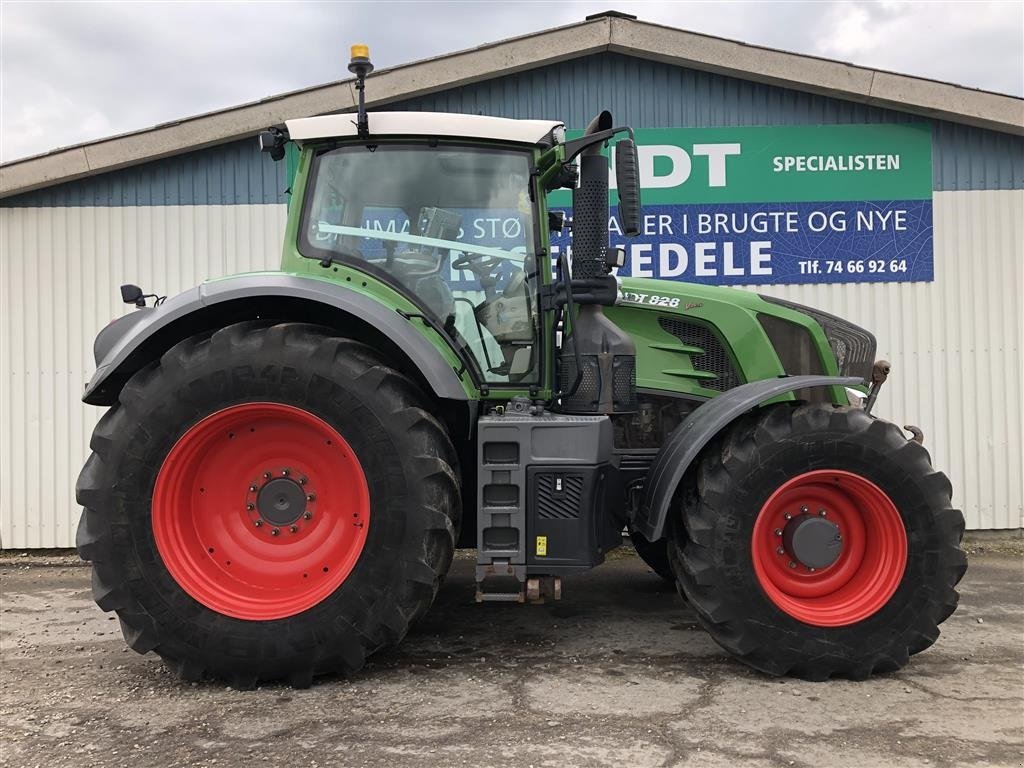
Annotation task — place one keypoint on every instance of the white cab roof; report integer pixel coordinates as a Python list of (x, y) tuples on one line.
[(425, 124)]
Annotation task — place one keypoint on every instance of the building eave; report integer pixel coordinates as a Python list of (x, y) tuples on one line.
[(826, 77), (914, 95)]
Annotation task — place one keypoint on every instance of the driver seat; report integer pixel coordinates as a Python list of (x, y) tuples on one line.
[(419, 267)]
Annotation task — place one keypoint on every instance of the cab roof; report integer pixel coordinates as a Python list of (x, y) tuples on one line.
[(440, 124)]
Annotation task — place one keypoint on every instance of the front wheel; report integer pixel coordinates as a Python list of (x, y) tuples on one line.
[(819, 542), (269, 502)]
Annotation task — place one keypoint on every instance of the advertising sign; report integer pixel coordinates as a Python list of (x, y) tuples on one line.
[(784, 204)]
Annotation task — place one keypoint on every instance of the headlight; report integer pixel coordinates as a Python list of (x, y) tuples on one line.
[(853, 346)]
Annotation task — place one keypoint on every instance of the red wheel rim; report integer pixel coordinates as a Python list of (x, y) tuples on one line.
[(868, 569), (224, 504)]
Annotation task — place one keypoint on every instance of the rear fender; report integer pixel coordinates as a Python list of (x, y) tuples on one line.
[(133, 341), (701, 426)]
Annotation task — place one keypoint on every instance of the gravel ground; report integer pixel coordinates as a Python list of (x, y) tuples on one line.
[(616, 674)]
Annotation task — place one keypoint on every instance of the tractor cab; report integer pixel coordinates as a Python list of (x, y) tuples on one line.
[(449, 220), (450, 212)]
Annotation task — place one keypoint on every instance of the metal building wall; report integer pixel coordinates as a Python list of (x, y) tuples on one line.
[(60, 269), (236, 173), (956, 343), (651, 94)]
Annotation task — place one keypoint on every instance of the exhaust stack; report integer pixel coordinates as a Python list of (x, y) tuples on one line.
[(603, 381)]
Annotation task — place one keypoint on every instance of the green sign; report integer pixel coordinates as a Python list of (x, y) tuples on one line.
[(803, 163)]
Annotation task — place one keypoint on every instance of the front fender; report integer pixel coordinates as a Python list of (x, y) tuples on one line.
[(689, 439), (137, 341)]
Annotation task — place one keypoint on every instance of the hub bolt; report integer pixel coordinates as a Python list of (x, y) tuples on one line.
[(258, 523), (275, 531), (310, 497), (792, 563), (803, 510), (250, 507), (821, 513), (293, 528), (810, 570), (307, 515), (303, 481), (780, 551), (778, 531), (266, 475), (252, 488), (788, 516), (286, 472)]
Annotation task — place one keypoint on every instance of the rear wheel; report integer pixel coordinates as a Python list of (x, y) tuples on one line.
[(818, 541), (268, 502)]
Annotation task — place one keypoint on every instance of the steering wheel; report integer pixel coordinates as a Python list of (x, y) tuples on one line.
[(474, 261)]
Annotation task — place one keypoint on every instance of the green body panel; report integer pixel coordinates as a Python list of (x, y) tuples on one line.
[(662, 360), (663, 363)]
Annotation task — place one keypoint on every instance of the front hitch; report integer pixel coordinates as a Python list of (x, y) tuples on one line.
[(879, 375)]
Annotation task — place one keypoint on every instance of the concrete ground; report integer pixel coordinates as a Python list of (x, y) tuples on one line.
[(617, 674)]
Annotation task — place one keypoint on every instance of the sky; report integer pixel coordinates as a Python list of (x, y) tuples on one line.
[(73, 72)]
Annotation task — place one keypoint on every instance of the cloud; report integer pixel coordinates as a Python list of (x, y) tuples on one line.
[(72, 72), (975, 44)]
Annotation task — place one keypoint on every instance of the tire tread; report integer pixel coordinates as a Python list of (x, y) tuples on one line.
[(431, 527)]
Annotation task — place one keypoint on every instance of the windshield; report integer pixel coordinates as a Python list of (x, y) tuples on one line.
[(450, 226)]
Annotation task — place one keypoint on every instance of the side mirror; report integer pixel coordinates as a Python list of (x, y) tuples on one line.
[(556, 221), (132, 294), (627, 175), (273, 140), (616, 258)]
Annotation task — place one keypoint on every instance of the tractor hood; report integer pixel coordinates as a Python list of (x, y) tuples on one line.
[(707, 339)]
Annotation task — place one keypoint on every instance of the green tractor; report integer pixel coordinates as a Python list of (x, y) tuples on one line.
[(289, 459)]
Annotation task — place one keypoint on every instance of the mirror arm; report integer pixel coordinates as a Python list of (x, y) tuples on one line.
[(593, 290), (576, 146)]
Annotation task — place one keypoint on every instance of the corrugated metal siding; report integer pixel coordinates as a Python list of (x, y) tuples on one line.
[(59, 273), (956, 346), (648, 94), (230, 174), (641, 93)]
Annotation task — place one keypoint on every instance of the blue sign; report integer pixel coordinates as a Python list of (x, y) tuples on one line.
[(766, 243)]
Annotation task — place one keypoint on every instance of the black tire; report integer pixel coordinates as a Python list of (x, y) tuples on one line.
[(410, 467), (712, 556), (654, 554)]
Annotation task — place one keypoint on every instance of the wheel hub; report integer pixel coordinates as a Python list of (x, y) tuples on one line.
[(815, 542), (260, 511), (829, 547), (281, 501)]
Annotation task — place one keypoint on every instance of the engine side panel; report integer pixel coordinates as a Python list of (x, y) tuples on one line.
[(700, 340)]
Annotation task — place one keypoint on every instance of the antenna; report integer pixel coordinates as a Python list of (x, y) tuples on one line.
[(360, 66)]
